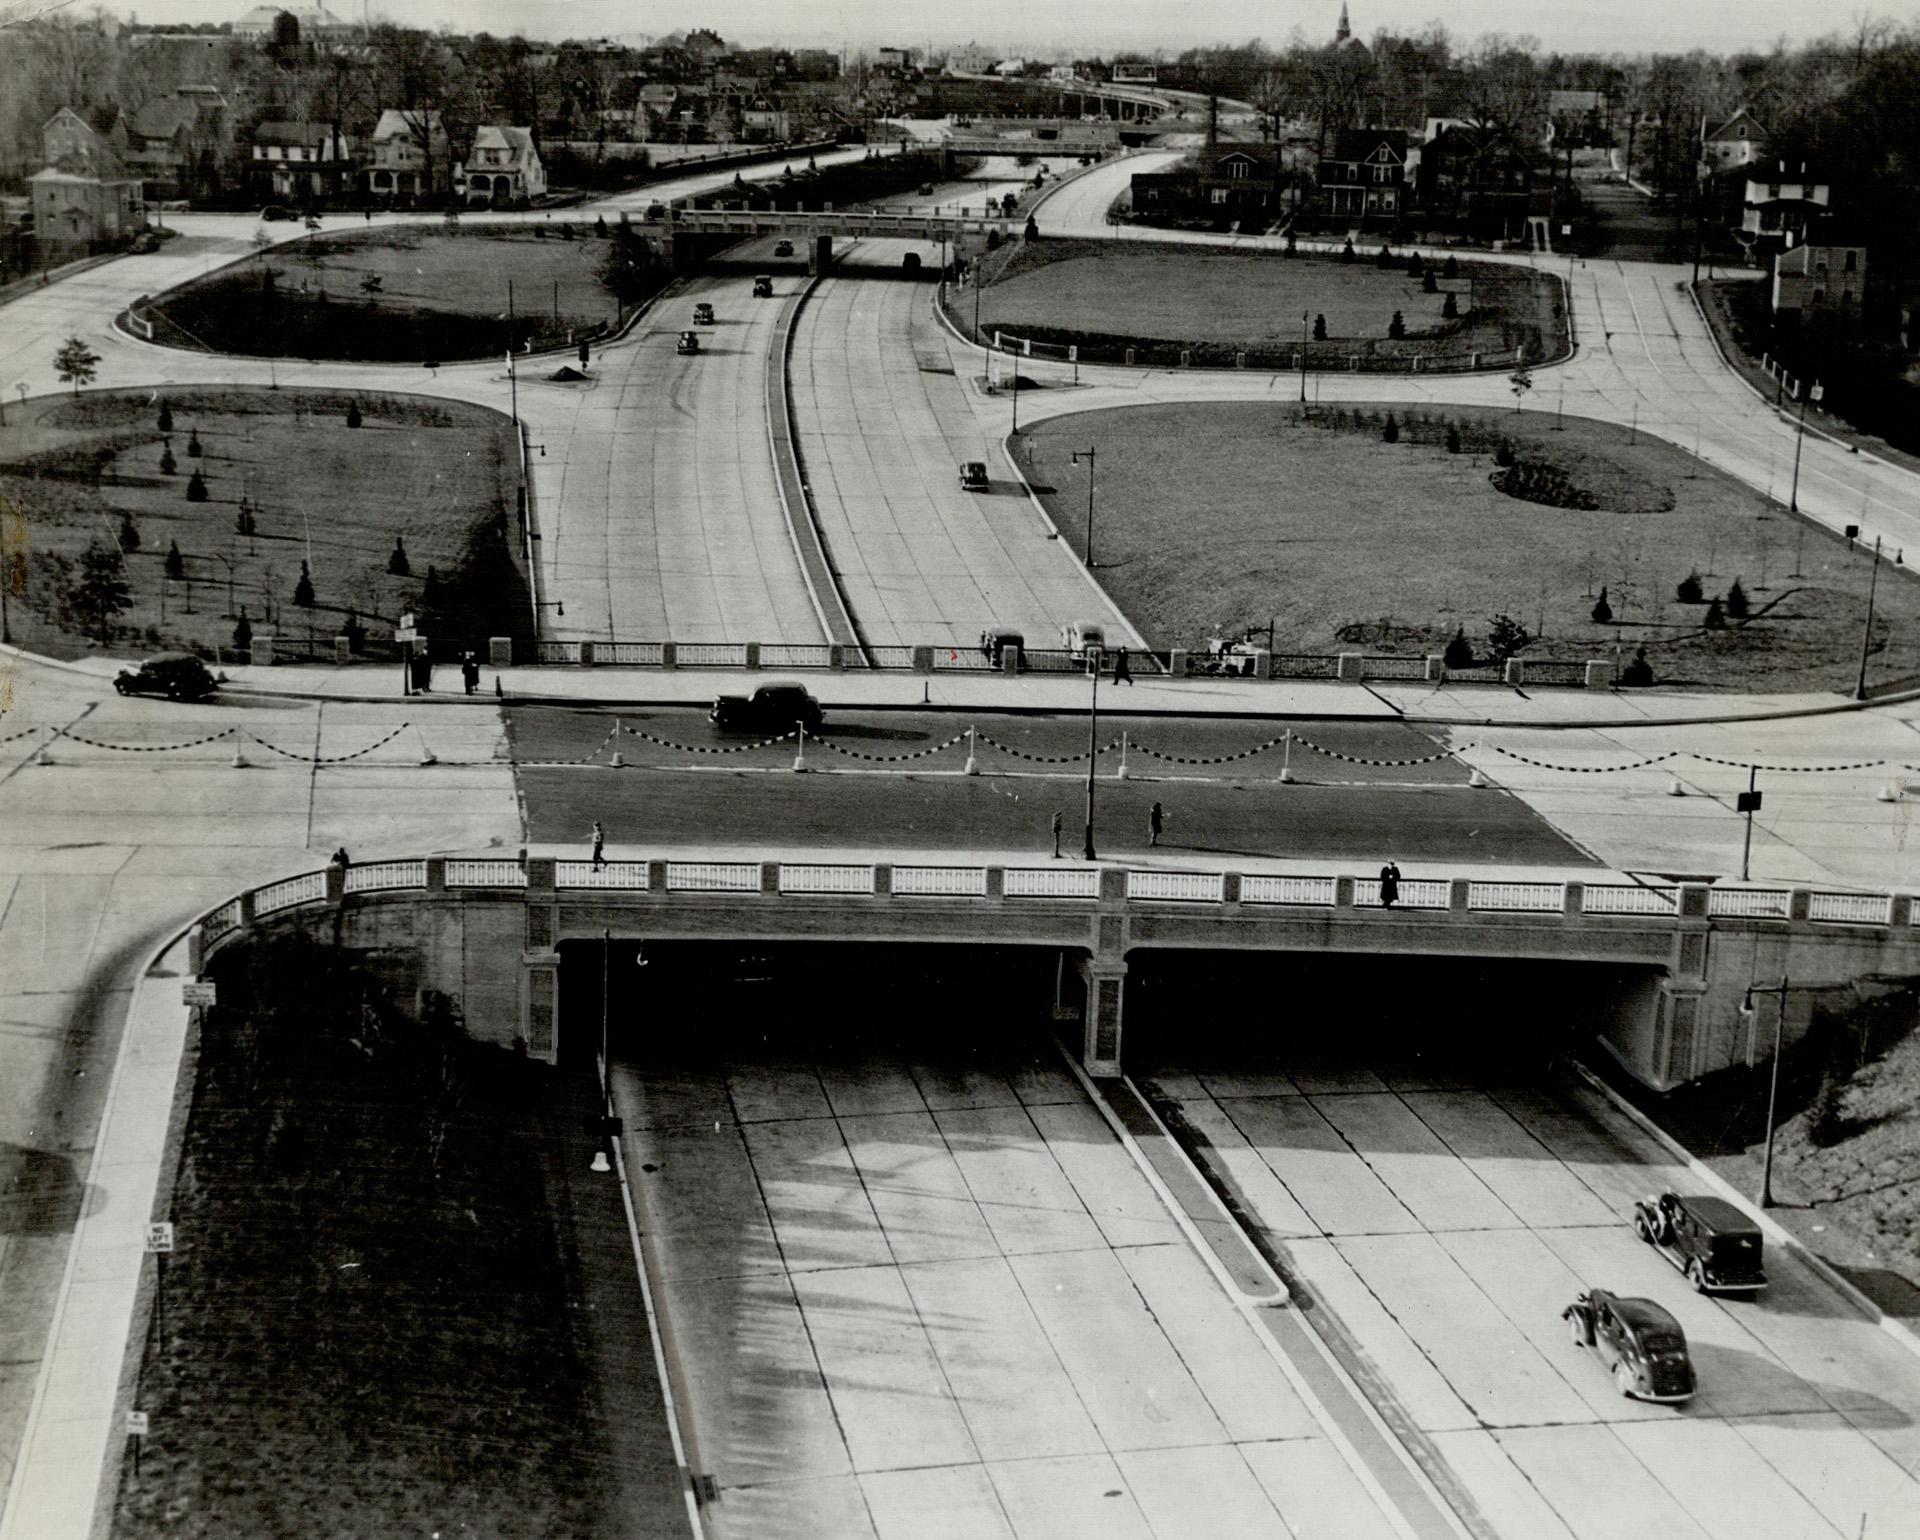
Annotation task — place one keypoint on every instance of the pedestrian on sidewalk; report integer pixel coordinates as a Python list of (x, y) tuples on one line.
[(1122, 670), (1059, 823), (469, 672), (1156, 821), (599, 844), (341, 859), (1389, 884)]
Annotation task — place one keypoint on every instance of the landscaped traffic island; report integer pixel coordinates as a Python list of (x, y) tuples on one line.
[(410, 293), (1215, 303), (158, 520), (1365, 529)]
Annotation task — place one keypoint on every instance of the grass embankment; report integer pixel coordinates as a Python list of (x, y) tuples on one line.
[(439, 296), (1109, 296), (370, 1326), (1225, 516), (439, 475)]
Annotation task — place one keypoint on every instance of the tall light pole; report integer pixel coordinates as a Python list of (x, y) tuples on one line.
[(1773, 1079), (1813, 394), (1303, 358), (1093, 755), (1866, 634), (1087, 455), (513, 377)]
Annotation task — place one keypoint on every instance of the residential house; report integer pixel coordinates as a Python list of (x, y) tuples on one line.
[(1480, 181), (300, 162), (1822, 278), (86, 197), (1236, 184), (1733, 146), (410, 157), (898, 60), (1364, 177), (1577, 118), (168, 136), (1778, 207), (654, 110), (504, 168), (764, 120)]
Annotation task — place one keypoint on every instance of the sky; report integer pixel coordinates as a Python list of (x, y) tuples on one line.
[(1095, 26)]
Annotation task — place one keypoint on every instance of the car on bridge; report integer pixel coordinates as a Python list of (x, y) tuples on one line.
[(689, 343), (703, 314), (774, 708), (763, 287), (176, 675), (1640, 1340), (783, 248), (1707, 1238)]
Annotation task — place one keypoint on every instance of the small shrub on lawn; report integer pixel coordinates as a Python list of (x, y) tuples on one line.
[(1415, 266), (1639, 673), (303, 590), (194, 450), (176, 564), (1450, 308), (1346, 252), (166, 418), (1716, 617), (353, 407), (1503, 456), (1737, 606), (1385, 259), (600, 227), (1391, 432), (243, 631), (1452, 269), (1428, 283), (1602, 611), (1453, 439), (1688, 590), (1397, 327), (129, 533), (1505, 637), (397, 564), (1459, 653), (197, 488), (1320, 327), (168, 465)]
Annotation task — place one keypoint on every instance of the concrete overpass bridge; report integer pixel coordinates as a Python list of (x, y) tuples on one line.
[(1663, 968)]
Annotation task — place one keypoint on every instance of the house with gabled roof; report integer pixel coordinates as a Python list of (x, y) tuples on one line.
[(503, 168), (1734, 144), (410, 157), (85, 197), (1365, 176)]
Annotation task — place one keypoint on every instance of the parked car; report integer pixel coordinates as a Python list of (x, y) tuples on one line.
[(277, 213), (1708, 1239), (1640, 1341), (1084, 636), (783, 248), (973, 475), (689, 343), (176, 675), (703, 314), (926, 189), (763, 287), (997, 643), (771, 709)]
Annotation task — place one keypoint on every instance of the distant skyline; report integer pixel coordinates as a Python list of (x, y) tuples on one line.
[(1088, 26)]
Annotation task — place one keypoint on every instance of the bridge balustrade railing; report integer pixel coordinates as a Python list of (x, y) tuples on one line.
[(1305, 892), (1622, 898), (1518, 897), (1850, 908), (713, 876), (1750, 904), (385, 876), (1413, 893)]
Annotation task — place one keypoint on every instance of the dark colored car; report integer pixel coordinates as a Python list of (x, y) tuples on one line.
[(973, 475), (277, 213), (763, 287), (783, 248), (176, 675), (1708, 1239), (1640, 1341), (771, 709), (703, 314), (997, 644), (689, 343)]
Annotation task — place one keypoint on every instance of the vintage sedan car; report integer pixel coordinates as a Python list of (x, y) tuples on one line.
[(772, 709), (689, 343), (1640, 1341), (1707, 1238), (973, 475), (176, 675), (703, 314), (783, 248), (763, 287), (275, 213)]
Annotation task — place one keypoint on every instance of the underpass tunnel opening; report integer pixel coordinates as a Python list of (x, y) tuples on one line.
[(702, 1003), (1398, 1014)]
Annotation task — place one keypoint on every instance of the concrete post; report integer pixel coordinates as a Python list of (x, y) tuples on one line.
[(1101, 1023), (1515, 672), (996, 882), (1263, 665), (336, 883), (500, 651), (769, 876), (1576, 902), (540, 874), (1177, 663), (1799, 902), (1436, 667), (1902, 914), (1459, 892), (1010, 659), (923, 660), (1230, 887), (836, 657), (1693, 900), (262, 650), (669, 655), (883, 880), (1599, 675), (1343, 892), (436, 874), (342, 650), (1186, 358), (1353, 668), (586, 654), (753, 654), (656, 876)]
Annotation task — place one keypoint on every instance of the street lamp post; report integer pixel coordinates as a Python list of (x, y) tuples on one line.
[(1773, 1079), (1866, 634), (1087, 455), (1093, 754), (1303, 358), (1799, 442)]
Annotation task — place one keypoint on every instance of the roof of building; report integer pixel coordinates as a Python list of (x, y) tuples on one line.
[(1559, 102), (165, 116), (278, 131), (518, 142), (401, 123), (1361, 143), (1731, 129)]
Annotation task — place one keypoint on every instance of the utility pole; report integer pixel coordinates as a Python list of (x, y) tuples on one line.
[(1866, 635), (1773, 1079), (513, 376), (1093, 755), (1303, 358), (1748, 803), (1799, 442)]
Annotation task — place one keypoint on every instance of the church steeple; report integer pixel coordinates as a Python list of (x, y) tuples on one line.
[(1345, 31)]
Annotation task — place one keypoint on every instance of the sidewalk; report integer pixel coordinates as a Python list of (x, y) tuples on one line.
[(1472, 705)]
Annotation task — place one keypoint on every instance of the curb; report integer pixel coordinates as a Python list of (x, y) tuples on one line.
[(1898, 1330)]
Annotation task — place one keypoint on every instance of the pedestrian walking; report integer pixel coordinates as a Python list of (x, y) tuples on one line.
[(1389, 884), (1156, 821), (1122, 670), (470, 672), (1059, 823), (341, 859), (599, 844)]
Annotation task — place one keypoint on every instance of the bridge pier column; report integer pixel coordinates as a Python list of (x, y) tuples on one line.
[(1101, 1022), (820, 254)]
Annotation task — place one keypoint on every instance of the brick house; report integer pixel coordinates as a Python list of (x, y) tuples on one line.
[(298, 161), (1823, 278), (1237, 184), (1479, 181), (87, 196), (1363, 177)]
